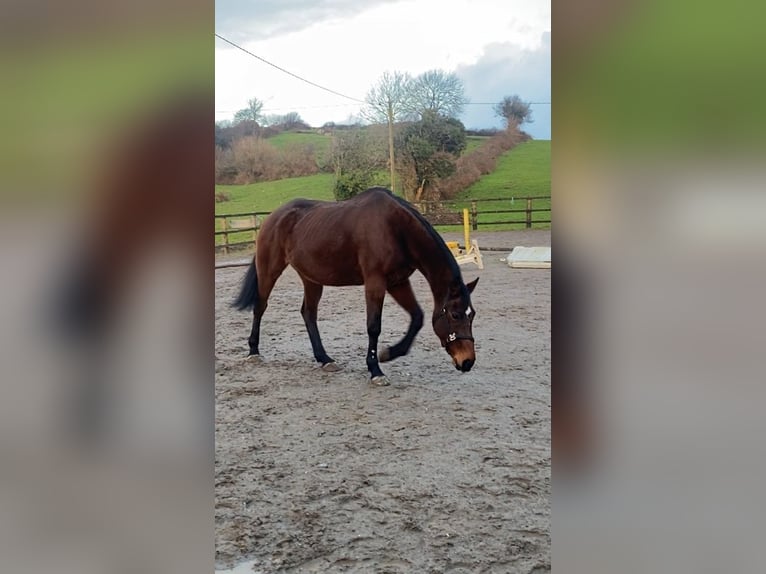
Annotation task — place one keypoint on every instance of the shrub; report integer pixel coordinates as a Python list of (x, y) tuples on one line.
[(348, 184), (481, 161), (254, 159), (225, 172)]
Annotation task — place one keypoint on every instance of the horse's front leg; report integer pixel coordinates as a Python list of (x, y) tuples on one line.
[(404, 295), (374, 291)]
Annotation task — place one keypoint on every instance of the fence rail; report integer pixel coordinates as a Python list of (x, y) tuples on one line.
[(439, 213), (238, 223)]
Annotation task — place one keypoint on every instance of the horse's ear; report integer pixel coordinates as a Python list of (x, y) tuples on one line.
[(472, 285)]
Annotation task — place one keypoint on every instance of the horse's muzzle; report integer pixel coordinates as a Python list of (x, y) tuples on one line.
[(463, 355), (465, 366)]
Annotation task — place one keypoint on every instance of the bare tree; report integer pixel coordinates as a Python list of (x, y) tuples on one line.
[(388, 102), (437, 91), (514, 110), (251, 113)]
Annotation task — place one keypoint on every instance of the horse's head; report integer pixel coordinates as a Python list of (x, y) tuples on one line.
[(452, 324)]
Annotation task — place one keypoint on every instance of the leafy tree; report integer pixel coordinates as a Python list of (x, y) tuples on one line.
[(437, 91), (251, 113), (388, 102), (429, 149), (514, 110)]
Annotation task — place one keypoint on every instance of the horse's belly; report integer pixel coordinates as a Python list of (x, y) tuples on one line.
[(336, 274), (335, 279)]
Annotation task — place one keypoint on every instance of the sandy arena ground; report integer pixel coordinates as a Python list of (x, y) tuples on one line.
[(439, 472)]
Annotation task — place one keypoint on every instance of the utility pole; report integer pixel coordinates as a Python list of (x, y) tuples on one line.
[(390, 114)]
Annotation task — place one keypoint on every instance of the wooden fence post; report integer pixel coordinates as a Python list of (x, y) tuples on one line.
[(226, 236), (474, 217), (253, 220), (529, 213)]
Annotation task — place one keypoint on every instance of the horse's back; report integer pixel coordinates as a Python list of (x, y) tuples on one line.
[(369, 216), (325, 219), (339, 243)]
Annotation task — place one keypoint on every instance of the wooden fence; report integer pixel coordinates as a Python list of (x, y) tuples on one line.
[(505, 211), (508, 212), (238, 224)]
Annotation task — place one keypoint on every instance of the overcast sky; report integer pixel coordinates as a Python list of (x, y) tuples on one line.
[(497, 47)]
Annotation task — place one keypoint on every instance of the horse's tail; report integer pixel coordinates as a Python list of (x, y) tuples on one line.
[(248, 295)]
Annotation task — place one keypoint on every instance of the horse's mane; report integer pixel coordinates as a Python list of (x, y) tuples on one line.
[(456, 275)]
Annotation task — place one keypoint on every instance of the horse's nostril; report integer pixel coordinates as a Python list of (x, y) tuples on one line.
[(466, 366)]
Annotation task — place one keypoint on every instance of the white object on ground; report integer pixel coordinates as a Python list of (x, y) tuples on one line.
[(530, 257)]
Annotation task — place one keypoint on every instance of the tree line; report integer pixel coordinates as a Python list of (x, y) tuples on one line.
[(413, 134)]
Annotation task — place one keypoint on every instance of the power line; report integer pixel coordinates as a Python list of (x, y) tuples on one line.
[(290, 108), (333, 91), (288, 72), (299, 108)]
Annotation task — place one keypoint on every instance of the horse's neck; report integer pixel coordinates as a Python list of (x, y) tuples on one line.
[(440, 290), (435, 267)]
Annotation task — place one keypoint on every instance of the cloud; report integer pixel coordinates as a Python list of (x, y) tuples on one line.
[(505, 69), (253, 20)]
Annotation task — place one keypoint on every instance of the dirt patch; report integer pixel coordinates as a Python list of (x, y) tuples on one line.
[(439, 472)]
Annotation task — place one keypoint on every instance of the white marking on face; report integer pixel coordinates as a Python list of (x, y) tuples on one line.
[(468, 312)]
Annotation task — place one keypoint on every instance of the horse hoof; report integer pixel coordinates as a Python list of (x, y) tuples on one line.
[(384, 355), (381, 381), (257, 359), (331, 367)]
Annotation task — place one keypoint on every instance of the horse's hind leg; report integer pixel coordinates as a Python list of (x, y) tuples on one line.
[(269, 269), (312, 293), (404, 295)]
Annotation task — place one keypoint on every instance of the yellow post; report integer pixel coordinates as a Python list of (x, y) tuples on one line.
[(466, 231)]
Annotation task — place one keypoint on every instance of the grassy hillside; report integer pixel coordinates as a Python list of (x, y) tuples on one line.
[(472, 142), (521, 172), (268, 195), (524, 171), (322, 144)]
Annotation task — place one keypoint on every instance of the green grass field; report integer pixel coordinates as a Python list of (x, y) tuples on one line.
[(322, 144), (268, 195), (472, 142), (524, 171), (521, 172)]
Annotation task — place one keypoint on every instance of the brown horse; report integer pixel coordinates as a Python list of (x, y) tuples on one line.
[(374, 239)]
